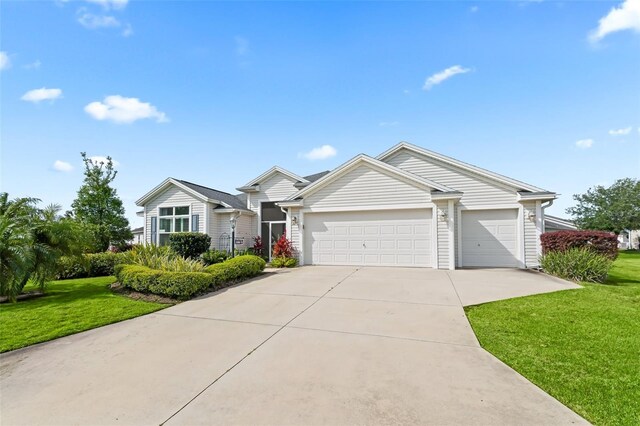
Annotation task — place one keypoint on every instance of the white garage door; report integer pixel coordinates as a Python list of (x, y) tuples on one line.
[(490, 238), (380, 238)]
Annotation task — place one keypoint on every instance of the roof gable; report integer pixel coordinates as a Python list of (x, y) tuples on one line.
[(200, 192), (266, 175), (460, 165), (375, 164)]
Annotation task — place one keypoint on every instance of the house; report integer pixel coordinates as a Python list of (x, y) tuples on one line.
[(554, 223), (406, 207), (138, 235), (629, 240)]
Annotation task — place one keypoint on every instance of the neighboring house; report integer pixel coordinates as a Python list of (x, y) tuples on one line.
[(553, 224), (629, 240), (406, 207), (138, 235)]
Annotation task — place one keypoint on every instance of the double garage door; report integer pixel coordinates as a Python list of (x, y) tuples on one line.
[(375, 238)]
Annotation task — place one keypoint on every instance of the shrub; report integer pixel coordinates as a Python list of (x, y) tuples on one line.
[(283, 247), (577, 264), (284, 262), (601, 242), (184, 285), (189, 244), (90, 265), (257, 246), (214, 256)]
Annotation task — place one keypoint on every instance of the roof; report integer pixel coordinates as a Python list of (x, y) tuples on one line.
[(139, 230), (203, 193), (314, 177), (215, 194), (462, 165), (268, 174), (363, 158), (559, 222)]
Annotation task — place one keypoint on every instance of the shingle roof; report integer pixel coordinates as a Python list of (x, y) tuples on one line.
[(225, 197), (314, 177), (139, 230)]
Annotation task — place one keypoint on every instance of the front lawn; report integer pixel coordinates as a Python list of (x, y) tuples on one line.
[(581, 346), (70, 306)]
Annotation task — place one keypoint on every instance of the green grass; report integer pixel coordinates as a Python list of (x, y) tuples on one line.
[(69, 306), (581, 346)]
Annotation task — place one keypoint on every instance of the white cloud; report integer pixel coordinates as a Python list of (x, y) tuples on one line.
[(33, 65), (320, 153), (584, 143), (242, 46), (624, 17), (388, 123), (5, 62), (92, 22), (97, 159), (127, 31), (43, 94), (443, 75), (620, 132), (120, 110), (110, 4), (62, 166)]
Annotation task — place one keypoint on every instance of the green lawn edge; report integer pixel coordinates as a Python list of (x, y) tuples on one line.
[(581, 346), (69, 307)]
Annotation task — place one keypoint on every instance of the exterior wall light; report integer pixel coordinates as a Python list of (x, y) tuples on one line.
[(442, 215), (294, 220)]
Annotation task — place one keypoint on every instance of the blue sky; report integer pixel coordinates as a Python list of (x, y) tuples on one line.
[(217, 92)]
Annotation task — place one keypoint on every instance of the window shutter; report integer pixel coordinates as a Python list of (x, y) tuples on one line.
[(154, 230), (195, 222)]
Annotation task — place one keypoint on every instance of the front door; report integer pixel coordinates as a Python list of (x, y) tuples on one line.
[(271, 233)]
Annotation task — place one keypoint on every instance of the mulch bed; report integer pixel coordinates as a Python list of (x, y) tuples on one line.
[(136, 295), (24, 296)]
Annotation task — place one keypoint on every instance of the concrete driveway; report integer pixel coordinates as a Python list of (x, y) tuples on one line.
[(313, 345)]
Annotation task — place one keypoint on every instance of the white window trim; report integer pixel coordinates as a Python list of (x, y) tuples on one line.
[(174, 217)]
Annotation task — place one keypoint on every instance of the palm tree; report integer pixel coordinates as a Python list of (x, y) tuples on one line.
[(31, 242)]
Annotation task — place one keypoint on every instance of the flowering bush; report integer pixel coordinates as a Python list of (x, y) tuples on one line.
[(257, 246)]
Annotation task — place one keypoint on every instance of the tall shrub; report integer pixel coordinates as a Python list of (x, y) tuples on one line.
[(577, 264), (600, 242), (189, 244)]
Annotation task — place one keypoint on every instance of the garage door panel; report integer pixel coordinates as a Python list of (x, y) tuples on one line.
[(489, 238), (385, 238)]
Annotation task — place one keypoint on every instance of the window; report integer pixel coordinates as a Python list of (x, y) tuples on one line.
[(172, 219)]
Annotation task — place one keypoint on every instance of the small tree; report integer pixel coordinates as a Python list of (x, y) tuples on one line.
[(190, 244), (98, 207), (613, 209)]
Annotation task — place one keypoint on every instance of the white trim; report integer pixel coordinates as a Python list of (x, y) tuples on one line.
[(544, 196), (207, 206), (434, 235), (441, 196), (375, 164), (144, 230), (490, 207), (459, 239), (301, 230), (460, 164), (539, 229), (451, 226), (268, 173), (425, 205), (293, 203), (232, 210), (522, 261), (173, 217)]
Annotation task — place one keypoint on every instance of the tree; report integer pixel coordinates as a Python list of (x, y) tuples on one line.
[(614, 209), (31, 242), (98, 206)]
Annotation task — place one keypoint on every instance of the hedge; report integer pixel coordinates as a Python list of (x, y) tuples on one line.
[(600, 242), (184, 285), (90, 265), (189, 244)]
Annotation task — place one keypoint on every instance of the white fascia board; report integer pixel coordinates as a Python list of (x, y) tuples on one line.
[(376, 164), (292, 203), (164, 185), (460, 164), (249, 189), (535, 196), (232, 210), (271, 171)]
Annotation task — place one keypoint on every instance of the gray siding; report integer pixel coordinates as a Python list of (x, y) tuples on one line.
[(173, 197), (530, 235), (366, 187), (477, 189), (443, 235), (276, 188)]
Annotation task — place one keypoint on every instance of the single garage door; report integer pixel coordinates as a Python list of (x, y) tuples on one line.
[(377, 238), (490, 238)]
